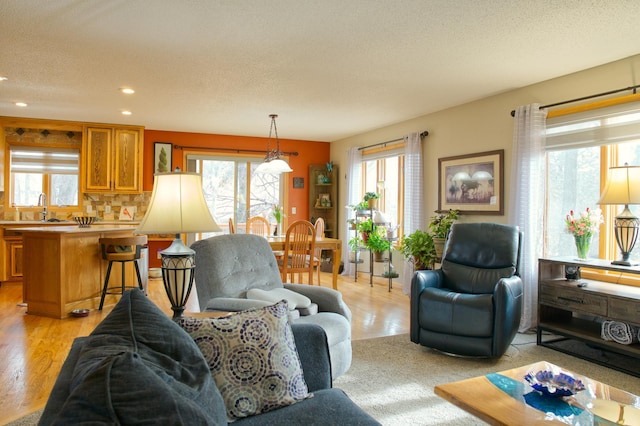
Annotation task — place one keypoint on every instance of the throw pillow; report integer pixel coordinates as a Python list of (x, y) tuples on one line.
[(252, 357), (138, 326), (294, 300)]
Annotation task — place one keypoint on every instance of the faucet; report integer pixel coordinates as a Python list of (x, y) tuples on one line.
[(42, 201)]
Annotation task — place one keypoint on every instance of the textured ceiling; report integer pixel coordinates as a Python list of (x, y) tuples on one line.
[(329, 68)]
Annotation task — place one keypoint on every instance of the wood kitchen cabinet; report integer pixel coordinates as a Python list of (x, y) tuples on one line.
[(12, 256), (112, 159)]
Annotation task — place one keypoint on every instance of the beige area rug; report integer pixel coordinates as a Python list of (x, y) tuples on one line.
[(392, 378)]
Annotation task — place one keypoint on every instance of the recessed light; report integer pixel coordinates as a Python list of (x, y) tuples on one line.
[(126, 112), (21, 104), (3, 78), (127, 91)]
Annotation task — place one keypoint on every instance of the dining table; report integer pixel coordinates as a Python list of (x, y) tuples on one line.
[(334, 244)]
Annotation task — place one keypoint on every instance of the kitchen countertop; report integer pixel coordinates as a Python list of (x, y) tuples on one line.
[(30, 223), (67, 229)]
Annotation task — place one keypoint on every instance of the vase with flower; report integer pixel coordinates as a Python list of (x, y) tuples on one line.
[(582, 227), (278, 214)]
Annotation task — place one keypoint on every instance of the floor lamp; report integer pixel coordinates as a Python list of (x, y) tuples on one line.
[(177, 206), (623, 187)]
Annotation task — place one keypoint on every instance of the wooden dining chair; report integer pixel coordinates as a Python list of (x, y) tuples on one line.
[(258, 225), (317, 255), (299, 248), (232, 228)]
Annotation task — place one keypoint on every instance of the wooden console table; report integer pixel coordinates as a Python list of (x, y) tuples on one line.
[(576, 312), (64, 270)]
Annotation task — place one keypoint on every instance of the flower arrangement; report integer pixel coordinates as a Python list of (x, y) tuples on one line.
[(586, 224), (278, 213)]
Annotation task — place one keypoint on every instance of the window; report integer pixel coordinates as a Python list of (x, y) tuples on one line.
[(381, 173), (234, 191), (48, 170), (580, 150)]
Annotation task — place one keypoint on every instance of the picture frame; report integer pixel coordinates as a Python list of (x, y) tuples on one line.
[(298, 182), (162, 156), (472, 183)]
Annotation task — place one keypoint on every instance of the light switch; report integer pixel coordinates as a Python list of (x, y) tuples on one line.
[(293, 210)]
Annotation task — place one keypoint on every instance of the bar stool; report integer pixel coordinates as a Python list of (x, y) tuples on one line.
[(122, 250)]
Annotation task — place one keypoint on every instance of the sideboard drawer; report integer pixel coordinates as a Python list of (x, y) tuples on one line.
[(574, 299)]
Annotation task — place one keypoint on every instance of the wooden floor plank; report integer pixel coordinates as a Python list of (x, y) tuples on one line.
[(33, 348)]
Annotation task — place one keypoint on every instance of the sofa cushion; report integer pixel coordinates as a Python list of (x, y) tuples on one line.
[(252, 357), (158, 347)]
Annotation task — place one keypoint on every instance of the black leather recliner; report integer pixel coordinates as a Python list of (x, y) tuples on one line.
[(471, 305)]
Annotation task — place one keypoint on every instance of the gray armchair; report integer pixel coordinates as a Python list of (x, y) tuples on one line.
[(472, 304), (228, 266)]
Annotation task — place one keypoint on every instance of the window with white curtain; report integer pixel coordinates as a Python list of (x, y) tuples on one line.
[(381, 173), (580, 149)]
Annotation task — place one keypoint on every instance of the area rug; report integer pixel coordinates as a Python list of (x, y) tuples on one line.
[(392, 378)]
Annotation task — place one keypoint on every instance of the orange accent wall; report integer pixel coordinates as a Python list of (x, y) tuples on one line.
[(309, 152)]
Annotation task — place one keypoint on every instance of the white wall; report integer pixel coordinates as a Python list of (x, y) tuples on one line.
[(485, 125)]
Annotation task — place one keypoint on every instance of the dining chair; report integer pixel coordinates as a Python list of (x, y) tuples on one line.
[(258, 225), (299, 248), (317, 255), (232, 228)]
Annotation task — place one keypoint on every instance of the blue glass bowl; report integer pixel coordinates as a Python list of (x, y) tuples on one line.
[(553, 384)]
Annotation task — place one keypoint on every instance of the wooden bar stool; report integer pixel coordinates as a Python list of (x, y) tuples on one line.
[(122, 250)]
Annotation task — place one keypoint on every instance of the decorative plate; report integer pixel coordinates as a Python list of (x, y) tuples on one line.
[(554, 384)]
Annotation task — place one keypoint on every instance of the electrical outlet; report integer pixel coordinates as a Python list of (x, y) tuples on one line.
[(293, 210), (89, 208), (107, 209)]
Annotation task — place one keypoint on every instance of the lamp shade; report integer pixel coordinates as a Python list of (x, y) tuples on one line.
[(274, 167), (623, 186), (177, 206)]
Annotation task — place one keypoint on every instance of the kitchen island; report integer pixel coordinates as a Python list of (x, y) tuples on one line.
[(63, 268)]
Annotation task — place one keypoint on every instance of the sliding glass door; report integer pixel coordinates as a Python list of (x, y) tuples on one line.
[(234, 191)]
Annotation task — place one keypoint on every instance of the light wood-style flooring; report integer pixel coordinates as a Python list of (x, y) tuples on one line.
[(33, 348)]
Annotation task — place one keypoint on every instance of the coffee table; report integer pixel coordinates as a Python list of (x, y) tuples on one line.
[(485, 398)]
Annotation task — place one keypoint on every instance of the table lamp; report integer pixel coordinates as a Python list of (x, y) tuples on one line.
[(623, 187), (177, 206)]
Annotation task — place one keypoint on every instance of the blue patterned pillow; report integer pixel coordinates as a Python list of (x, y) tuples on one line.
[(252, 357)]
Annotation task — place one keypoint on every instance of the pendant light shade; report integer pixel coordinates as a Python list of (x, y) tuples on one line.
[(273, 164)]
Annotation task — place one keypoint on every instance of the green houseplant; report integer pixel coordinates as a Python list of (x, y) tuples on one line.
[(354, 246), (370, 198), (439, 227), (418, 246), (378, 245), (365, 227)]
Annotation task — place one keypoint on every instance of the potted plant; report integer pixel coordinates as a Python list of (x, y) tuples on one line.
[(370, 198), (439, 226), (378, 245), (418, 247), (354, 245), (365, 227)]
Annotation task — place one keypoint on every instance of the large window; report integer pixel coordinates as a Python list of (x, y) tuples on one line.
[(580, 150), (44, 170), (382, 175), (234, 191)]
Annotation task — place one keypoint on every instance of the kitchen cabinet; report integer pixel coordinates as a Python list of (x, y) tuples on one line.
[(12, 255), (576, 309), (112, 159)]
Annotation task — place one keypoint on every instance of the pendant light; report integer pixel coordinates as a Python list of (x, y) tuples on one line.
[(272, 163)]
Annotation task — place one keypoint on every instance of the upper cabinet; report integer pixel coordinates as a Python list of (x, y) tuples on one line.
[(112, 159)]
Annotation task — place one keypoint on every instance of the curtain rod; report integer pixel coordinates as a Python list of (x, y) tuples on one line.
[(584, 98), (422, 135), (236, 150)]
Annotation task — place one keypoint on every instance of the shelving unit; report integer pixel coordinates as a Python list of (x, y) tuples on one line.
[(323, 200), (364, 215), (576, 313)]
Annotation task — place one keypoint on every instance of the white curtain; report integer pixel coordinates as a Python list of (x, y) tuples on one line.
[(354, 194), (526, 200), (413, 197)]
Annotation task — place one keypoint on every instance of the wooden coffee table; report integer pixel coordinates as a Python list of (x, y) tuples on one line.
[(485, 400)]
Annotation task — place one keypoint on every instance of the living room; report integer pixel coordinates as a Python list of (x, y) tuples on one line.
[(476, 125)]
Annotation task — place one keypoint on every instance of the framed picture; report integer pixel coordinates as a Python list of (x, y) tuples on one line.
[(162, 157), (298, 182), (473, 183)]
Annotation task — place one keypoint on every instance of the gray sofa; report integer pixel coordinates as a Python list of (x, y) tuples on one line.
[(228, 266), (139, 367)]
